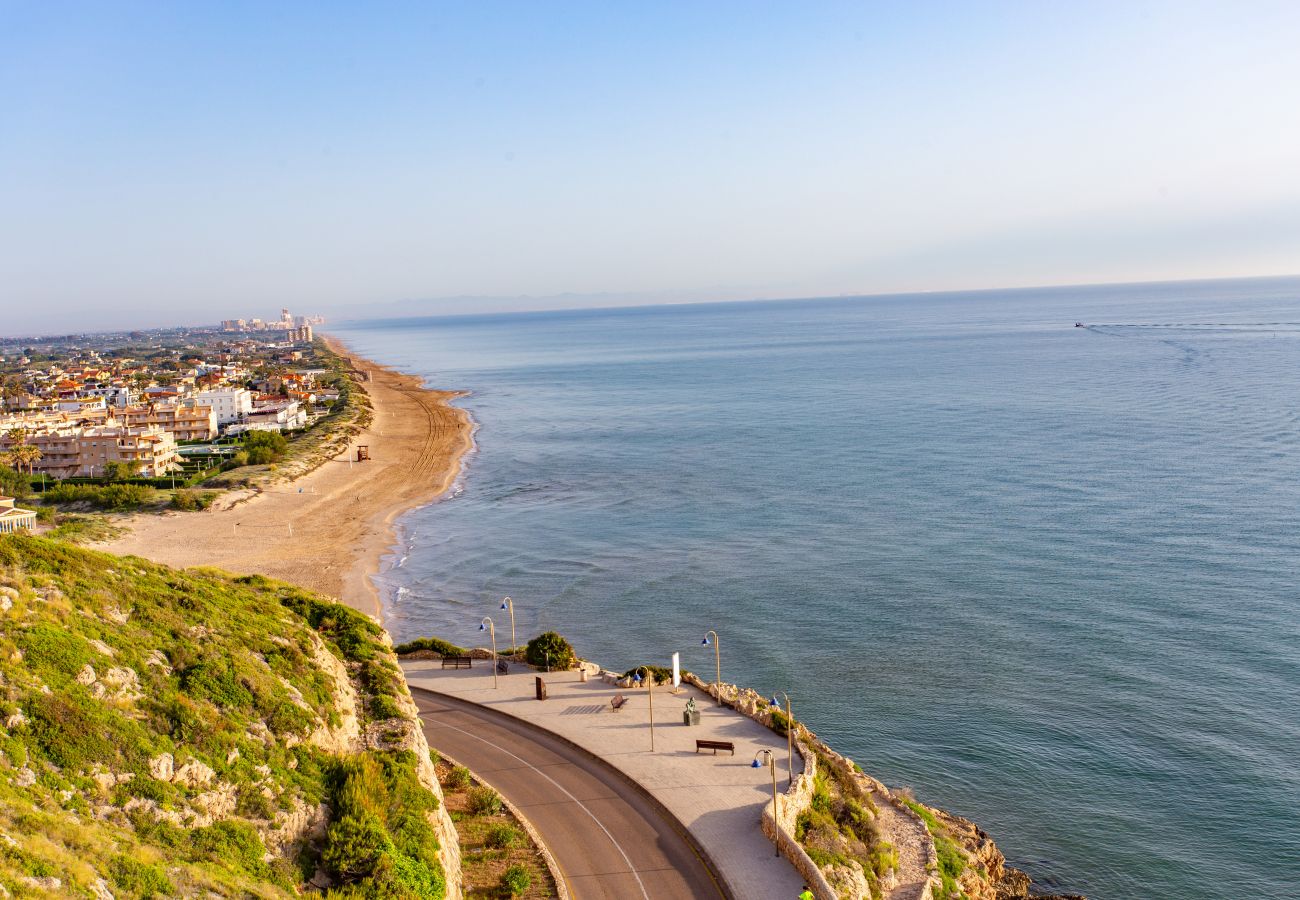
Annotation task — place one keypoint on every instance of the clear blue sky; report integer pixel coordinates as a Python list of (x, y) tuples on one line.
[(180, 162)]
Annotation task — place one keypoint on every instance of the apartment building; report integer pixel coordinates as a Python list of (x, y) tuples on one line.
[(70, 450), (230, 404), (186, 422)]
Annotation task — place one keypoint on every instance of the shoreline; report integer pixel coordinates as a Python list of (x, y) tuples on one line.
[(329, 529)]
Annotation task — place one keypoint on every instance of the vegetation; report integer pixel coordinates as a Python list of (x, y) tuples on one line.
[(191, 501), (515, 881), (14, 484), (839, 828), (112, 497), (159, 735), (550, 649), (120, 471), (483, 801), (952, 861), (263, 447), (662, 675), (436, 645), (492, 844)]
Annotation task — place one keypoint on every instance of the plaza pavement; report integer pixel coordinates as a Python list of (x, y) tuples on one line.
[(719, 799)]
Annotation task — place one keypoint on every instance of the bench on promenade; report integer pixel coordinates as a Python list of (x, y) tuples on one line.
[(715, 746), (618, 702), (456, 662)]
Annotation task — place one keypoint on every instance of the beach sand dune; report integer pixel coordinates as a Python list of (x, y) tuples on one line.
[(328, 529)]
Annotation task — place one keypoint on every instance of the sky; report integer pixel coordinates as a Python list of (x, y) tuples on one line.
[(177, 163)]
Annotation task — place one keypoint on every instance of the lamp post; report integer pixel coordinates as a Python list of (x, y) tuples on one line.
[(486, 625), (509, 604), (650, 693), (770, 762), (789, 733), (717, 660)]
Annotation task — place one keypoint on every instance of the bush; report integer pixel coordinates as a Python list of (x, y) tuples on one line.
[(661, 675), (192, 501), (109, 496), (137, 878), (120, 471), (503, 837), (483, 801), (515, 880), (550, 649), (458, 778), (354, 845), (264, 447), (436, 645), (385, 708), (14, 483)]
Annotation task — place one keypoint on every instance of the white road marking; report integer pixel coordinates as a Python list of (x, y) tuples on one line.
[(617, 845)]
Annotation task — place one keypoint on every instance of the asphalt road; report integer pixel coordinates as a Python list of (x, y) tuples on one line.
[(608, 840)]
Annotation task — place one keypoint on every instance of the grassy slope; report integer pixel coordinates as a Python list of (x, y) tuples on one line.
[(107, 663)]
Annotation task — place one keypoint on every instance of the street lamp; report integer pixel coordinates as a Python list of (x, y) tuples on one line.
[(717, 659), (770, 762), (509, 604), (486, 625), (789, 732), (650, 693)]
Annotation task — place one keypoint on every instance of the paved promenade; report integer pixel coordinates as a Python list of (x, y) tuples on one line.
[(718, 798)]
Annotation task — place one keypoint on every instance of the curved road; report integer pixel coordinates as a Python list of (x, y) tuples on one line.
[(608, 840)]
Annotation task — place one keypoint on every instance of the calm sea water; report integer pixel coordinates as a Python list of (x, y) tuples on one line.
[(1045, 575)]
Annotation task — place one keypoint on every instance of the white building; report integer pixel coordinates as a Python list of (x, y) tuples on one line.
[(230, 404)]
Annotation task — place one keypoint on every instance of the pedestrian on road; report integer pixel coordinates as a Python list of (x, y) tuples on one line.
[(807, 894)]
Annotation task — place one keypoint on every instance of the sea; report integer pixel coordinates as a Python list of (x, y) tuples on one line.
[(1045, 574)]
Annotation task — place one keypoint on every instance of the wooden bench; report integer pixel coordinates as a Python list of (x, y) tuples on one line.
[(456, 662), (715, 746), (618, 702)]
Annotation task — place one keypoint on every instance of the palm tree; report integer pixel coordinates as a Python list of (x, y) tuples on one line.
[(20, 452)]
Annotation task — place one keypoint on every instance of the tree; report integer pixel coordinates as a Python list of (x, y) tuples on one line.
[(550, 649), (120, 471), (21, 454)]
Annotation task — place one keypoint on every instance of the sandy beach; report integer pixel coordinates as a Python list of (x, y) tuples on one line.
[(328, 529)]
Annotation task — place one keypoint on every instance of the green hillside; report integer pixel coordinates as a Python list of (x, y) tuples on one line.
[(171, 733)]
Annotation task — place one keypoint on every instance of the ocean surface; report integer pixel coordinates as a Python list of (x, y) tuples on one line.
[(1047, 576)]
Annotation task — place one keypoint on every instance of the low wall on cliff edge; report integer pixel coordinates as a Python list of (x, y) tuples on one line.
[(781, 830)]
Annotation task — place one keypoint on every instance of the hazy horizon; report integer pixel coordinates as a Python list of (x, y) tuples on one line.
[(481, 306), (187, 164)]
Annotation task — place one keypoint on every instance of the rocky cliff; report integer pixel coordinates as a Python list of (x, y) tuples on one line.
[(194, 733)]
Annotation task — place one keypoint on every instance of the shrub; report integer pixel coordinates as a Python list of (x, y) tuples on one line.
[(385, 707), (137, 878), (503, 837), (550, 649), (354, 845), (437, 645), (483, 801), (515, 880), (14, 483), (264, 447), (229, 841), (458, 778), (120, 471), (661, 675), (191, 501), (108, 496), (215, 679)]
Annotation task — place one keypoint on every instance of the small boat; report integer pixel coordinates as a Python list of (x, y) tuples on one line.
[(1079, 325)]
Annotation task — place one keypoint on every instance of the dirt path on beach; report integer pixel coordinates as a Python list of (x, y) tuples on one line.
[(328, 529)]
